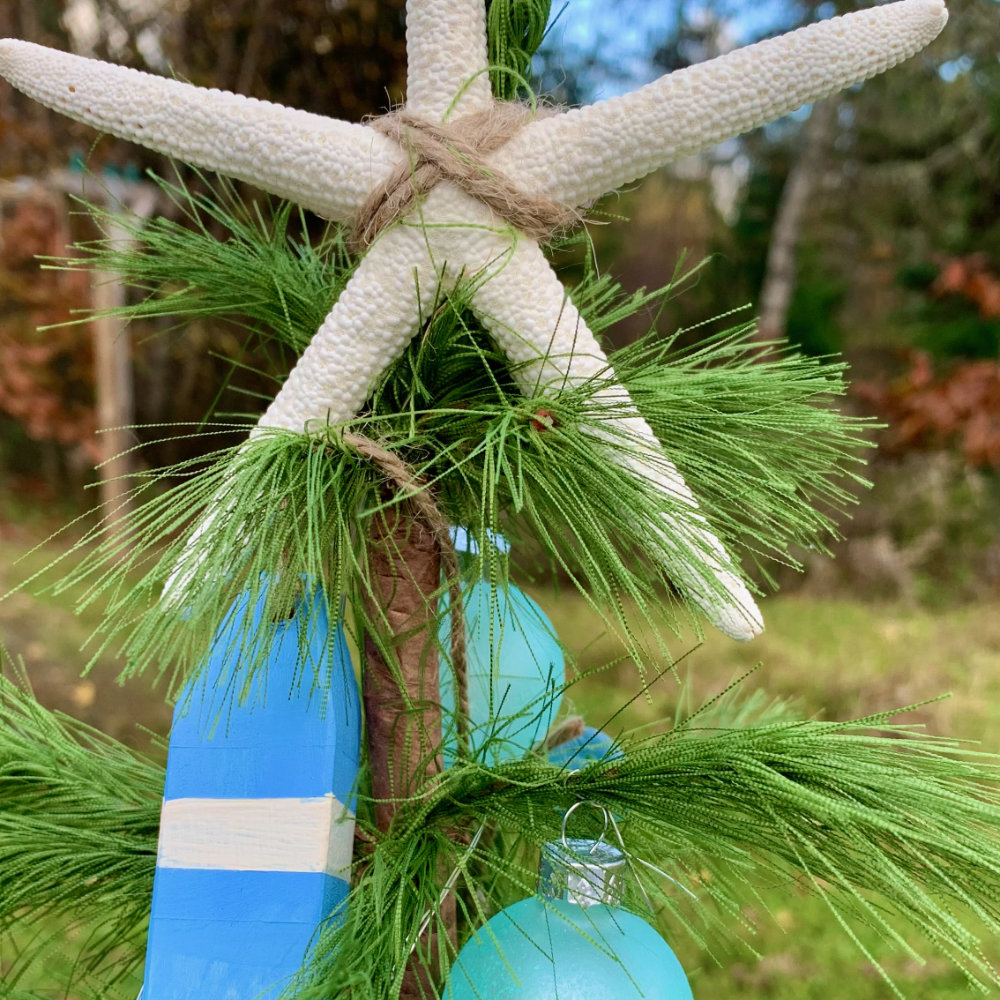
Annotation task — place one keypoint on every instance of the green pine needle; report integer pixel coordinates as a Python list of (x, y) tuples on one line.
[(261, 275), (758, 439), (875, 817), (515, 29), (79, 815)]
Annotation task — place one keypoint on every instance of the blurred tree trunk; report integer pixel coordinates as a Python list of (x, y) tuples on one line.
[(778, 285), (29, 26)]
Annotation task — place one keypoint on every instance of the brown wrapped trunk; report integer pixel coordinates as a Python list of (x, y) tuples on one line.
[(401, 689)]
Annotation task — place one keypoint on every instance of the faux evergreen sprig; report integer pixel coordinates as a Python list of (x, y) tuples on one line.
[(759, 439), (514, 31), (877, 818), (79, 815)]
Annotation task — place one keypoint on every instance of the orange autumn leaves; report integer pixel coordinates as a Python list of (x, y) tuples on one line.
[(925, 409), (46, 374)]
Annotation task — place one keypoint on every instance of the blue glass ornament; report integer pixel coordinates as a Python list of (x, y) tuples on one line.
[(516, 667), (576, 944), (590, 746), (257, 825)]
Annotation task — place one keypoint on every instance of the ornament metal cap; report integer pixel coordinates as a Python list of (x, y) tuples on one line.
[(582, 872)]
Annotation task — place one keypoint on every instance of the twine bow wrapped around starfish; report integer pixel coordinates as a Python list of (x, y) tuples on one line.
[(455, 152), (441, 220)]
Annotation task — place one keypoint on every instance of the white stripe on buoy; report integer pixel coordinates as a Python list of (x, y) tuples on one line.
[(266, 835)]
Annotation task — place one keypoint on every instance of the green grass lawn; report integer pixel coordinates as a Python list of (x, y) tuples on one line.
[(837, 658)]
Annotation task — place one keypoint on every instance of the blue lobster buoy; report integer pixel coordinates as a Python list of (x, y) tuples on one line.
[(257, 826), (590, 746)]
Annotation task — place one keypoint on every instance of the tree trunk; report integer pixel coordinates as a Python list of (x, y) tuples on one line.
[(778, 286), (401, 690), (400, 684)]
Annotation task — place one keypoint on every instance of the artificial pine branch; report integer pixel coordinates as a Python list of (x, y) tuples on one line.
[(872, 815), (514, 32), (79, 815), (762, 444)]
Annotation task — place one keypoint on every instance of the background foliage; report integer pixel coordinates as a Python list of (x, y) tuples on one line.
[(896, 250)]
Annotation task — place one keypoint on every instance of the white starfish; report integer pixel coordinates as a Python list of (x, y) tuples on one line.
[(331, 167)]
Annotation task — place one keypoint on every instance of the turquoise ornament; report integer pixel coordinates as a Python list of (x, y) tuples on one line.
[(577, 944), (516, 667), (546, 946)]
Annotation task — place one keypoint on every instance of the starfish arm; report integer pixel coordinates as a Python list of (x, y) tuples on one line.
[(372, 321), (577, 157), (446, 58), (327, 165), (527, 310)]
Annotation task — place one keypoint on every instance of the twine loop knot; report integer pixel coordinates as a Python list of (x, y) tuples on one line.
[(455, 151)]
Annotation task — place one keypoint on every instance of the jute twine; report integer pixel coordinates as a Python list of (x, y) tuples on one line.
[(455, 152), (415, 490)]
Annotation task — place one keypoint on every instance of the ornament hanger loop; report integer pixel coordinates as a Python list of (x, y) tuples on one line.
[(630, 861), (568, 775), (608, 821)]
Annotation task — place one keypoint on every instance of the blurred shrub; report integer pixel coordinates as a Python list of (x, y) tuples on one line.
[(958, 311), (928, 532), (46, 377), (813, 322), (924, 410)]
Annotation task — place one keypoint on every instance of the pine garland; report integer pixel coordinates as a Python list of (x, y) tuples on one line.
[(758, 439), (874, 816)]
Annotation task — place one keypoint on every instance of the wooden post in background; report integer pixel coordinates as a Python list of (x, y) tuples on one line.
[(113, 389), (113, 379)]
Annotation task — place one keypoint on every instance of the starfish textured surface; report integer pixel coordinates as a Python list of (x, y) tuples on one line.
[(332, 167)]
